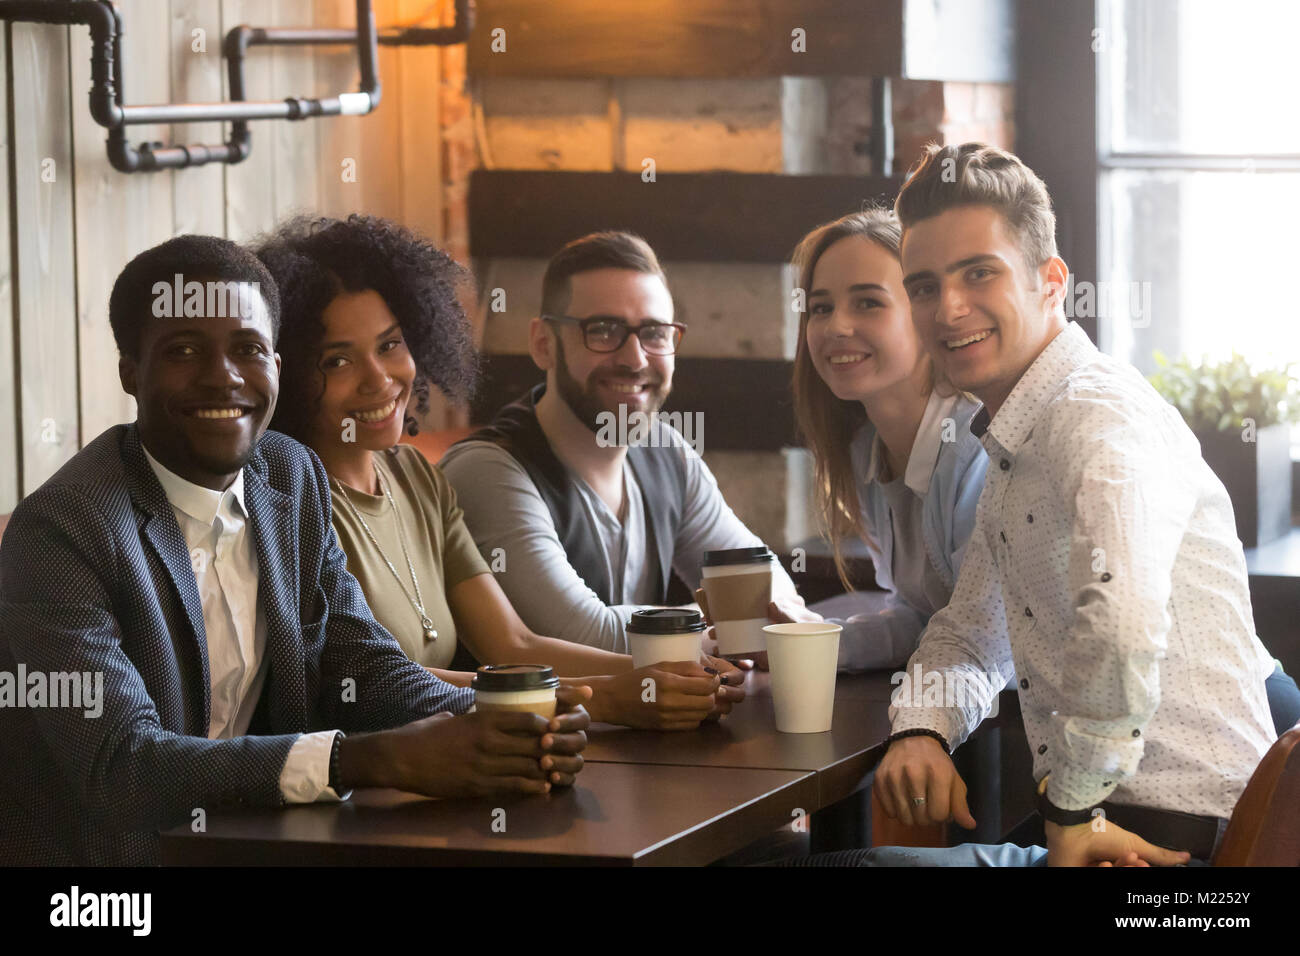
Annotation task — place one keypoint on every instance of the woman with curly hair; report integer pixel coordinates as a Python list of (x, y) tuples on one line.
[(370, 321)]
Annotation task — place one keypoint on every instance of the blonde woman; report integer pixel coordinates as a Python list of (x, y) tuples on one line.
[(897, 464)]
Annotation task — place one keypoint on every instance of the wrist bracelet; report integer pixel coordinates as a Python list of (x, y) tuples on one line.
[(334, 762), (1061, 817), (920, 732)]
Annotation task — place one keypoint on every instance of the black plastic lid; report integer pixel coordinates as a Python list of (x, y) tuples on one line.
[(666, 620), (511, 677), (737, 556)]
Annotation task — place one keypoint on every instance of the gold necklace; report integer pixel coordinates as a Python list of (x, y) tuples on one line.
[(417, 602)]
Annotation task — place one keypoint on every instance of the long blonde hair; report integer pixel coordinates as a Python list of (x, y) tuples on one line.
[(826, 423)]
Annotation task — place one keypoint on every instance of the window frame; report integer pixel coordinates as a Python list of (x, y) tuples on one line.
[(1060, 78)]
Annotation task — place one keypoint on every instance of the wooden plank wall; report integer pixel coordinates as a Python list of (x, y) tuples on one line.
[(71, 222), (8, 380), (44, 294)]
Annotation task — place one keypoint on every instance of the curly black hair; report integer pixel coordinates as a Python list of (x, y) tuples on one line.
[(314, 259)]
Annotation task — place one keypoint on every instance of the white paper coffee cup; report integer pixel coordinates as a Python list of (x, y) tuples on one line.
[(738, 585), (657, 635), (541, 702), (802, 659), (647, 649), (522, 687)]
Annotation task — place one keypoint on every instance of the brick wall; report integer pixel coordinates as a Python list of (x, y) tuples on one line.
[(926, 111)]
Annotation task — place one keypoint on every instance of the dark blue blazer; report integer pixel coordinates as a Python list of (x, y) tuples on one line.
[(95, 576)]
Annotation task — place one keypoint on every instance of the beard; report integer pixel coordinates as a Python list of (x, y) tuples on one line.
[(584, 401)]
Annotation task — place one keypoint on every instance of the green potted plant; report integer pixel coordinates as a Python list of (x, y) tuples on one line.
[(1242, 418)]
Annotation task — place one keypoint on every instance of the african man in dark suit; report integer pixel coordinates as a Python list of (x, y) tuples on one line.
[(186, 563)]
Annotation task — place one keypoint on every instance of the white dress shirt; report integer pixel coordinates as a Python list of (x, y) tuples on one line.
[(220, 542), (1105, 572)]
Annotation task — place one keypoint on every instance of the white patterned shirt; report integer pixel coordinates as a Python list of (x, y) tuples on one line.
[(1105, 573)]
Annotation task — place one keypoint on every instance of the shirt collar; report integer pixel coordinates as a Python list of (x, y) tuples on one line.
[(201, 504), (1070, 349), (925, 447)]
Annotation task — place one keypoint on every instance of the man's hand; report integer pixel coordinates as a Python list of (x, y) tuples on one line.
[(1081, 845), (566, 735), (486, 752), (917, 767)]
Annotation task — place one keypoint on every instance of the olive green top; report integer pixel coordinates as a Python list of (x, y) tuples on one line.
[(439, 544)]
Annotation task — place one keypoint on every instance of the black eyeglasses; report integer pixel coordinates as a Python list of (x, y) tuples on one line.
[(606, 333)]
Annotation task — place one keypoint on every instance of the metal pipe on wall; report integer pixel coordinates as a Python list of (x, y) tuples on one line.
[(108, 108)]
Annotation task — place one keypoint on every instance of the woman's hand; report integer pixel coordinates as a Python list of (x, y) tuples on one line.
[(786, 610), (673, 695), (711, 636), (732, 691), (791, 610)]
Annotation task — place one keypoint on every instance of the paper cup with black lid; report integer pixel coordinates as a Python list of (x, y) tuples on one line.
[(663, 634), (738, 585), (528, 688)]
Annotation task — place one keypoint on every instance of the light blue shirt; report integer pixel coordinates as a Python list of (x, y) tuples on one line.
[(945, 470)]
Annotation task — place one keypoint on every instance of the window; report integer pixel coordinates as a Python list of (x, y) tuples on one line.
[(1198, 135)]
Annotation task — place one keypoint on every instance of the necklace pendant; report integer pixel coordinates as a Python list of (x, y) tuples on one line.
[(429, 633)]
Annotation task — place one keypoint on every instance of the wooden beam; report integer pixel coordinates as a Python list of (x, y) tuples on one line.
[(745, 403), (701, 217), (968, 40), (731, 38)]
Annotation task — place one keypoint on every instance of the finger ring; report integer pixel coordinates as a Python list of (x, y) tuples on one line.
[(918, 801)]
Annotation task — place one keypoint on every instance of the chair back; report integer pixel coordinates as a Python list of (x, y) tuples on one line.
[(1265, 825)]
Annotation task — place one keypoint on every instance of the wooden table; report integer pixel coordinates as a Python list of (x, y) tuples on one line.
[(841, 759), (643, 798), (616, 814)]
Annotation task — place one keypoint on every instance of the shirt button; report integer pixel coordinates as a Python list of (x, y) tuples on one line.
[(1005, 465), (1028, 613), (1029, 518), (1042, 748), (1024, 682), (1106, 576), (1137, 733)]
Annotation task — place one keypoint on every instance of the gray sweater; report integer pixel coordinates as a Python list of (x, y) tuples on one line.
[(513, 529)]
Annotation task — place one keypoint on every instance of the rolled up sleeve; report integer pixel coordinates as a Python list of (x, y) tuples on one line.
[(1130, 518)]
